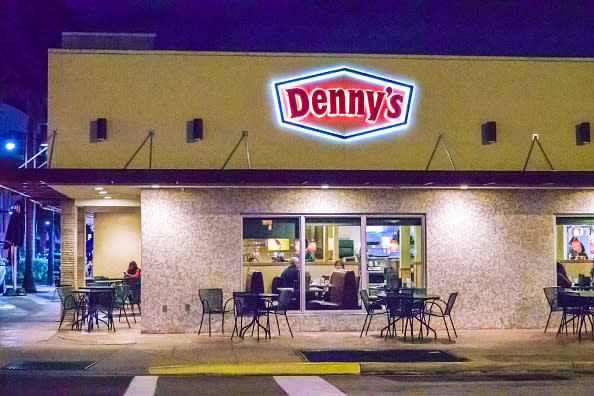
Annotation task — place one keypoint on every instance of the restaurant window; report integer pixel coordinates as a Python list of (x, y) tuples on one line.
[(394, 253), (269, 244), (332, 263), (575, 248)]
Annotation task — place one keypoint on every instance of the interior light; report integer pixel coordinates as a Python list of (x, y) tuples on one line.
[(464, 187), (98, 188), (324, 186), (107, 197), (103, 192), (155, 186), (10, 146), (47, 222)]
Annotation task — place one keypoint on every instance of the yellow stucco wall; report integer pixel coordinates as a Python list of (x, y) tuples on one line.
[(162, 90), (116, 242)]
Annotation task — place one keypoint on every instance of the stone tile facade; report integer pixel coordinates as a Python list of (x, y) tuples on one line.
[(495, 247)]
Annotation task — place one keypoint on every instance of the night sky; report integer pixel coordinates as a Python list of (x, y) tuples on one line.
[(534, 28), (501, 28)]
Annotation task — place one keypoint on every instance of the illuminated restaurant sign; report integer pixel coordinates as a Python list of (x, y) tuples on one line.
[(343, 103)]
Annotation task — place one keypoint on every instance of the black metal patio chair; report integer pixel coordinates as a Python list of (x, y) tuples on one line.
[(280, 307), (121, 298), (403, 307), (69, 303), (373, 308), (248, 305), (552, 295), (212, 303), (442, 309), (134, 296)]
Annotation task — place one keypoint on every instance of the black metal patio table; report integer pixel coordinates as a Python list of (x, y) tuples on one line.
[(256, 305), (90, 298), (418, 300)]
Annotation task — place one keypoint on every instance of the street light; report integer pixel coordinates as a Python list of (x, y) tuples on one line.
[(10, 146)]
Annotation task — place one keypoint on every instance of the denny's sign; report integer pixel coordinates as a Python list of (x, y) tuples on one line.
[(343, 103)]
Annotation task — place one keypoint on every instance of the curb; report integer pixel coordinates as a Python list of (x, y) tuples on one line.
[(280, 368), (483, 368), (376, 368)]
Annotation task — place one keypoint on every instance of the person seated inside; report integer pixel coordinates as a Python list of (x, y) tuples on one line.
[(133, 270), (339, 264), (290, 275), (562, 278)]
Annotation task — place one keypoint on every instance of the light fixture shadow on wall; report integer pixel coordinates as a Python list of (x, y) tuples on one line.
[(489, 133), (582, 133), (98, 130), (194, 130)]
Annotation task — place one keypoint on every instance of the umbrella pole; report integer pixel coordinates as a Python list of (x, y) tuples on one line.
[(13, 261)]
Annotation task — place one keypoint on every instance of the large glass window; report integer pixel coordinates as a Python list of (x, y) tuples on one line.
[(270, 256), (326, 260), (332, 265), (394, 253), (575, 250)]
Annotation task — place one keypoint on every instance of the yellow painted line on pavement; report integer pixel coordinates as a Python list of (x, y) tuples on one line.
[(280, 368)]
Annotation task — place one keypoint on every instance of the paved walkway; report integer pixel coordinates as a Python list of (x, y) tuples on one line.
[(28, 332)]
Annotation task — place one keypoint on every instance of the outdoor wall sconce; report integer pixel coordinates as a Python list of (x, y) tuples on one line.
[(582, 133), (489, 132), (194, 130), (98, 130)]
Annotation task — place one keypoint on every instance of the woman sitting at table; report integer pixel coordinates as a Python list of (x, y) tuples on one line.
[(133, 270)]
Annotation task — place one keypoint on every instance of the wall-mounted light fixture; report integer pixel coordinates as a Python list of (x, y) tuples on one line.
[(194, 130), (98, 130), (489, 132), (582, 133)]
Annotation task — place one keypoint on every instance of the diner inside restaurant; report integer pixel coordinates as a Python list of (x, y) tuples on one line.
[(326, 261), (575, 249)]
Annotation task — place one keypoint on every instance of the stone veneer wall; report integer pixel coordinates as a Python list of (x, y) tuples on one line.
[(68, 242), (496, 247)]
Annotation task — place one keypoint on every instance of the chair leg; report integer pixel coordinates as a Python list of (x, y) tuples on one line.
[(223, 323), (125, 314), (209, 333), (368, 324), (132, 308), (277, 324), (550, 313), (364, 323), (62, 319), (288, 325), (446, 326), (201, 319)]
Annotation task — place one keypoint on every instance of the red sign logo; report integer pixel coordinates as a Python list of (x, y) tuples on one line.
[(343, 103)]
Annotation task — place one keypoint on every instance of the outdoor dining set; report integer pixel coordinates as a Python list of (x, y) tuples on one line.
[(576, 305), (253, 311), (95, 303)]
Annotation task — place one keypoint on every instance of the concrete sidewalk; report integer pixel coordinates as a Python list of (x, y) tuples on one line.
[(28, 332)]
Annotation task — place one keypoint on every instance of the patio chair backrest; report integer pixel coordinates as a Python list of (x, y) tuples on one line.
[(399, 304), (121, 294), (450, 303), (366, 303), (245, 303), (552, 295), (284, 298), (211, 299), (66, 297)]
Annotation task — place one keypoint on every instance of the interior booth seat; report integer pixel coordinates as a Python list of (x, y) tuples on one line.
[(342, 293)]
